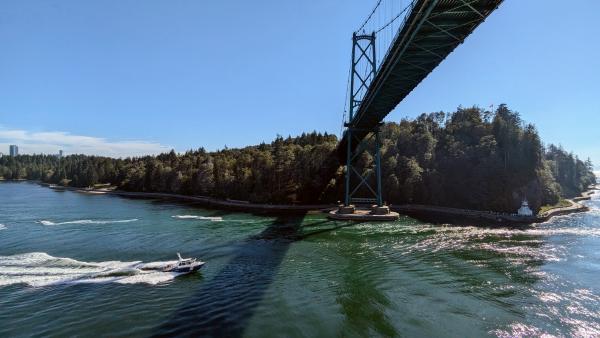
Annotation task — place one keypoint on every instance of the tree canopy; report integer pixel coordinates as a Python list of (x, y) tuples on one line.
[(470, 158)]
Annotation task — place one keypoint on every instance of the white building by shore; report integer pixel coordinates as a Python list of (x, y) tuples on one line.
[(524, 210)]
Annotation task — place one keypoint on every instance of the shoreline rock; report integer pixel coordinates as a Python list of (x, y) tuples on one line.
[(430, 213)]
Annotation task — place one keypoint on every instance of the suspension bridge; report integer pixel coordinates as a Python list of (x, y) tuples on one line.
[(415, 38)]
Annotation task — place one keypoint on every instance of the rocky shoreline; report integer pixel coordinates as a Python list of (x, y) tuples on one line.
[(430, 213), (233, 205), (439, 214)]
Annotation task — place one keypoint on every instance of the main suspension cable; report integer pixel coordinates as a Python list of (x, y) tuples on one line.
[(370, 16), (395, 18)]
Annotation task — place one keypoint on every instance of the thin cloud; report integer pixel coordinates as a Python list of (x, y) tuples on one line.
[(52, 142)]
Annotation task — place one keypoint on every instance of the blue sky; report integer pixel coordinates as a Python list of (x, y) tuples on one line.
[(129, 77)]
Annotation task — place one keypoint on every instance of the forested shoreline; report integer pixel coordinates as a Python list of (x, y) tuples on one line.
[(471, 158)]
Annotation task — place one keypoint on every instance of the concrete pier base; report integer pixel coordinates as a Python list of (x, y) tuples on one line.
[(346, 209), (375, 213)]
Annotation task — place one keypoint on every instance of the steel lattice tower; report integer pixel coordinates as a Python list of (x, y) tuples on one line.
[(363, 53)]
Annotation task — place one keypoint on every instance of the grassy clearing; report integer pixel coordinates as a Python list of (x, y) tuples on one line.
[(563, 203)]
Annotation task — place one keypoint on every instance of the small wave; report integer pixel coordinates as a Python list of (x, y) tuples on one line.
[(594, 210), (89, 221), (519, 330), (203, 218), (478, 232), (518, 246), (40, 269), (2, 226)]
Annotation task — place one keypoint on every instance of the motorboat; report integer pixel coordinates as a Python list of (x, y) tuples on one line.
[(185, 265)]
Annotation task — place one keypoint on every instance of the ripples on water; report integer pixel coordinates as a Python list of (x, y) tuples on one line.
[(301, 275), (548, 273)]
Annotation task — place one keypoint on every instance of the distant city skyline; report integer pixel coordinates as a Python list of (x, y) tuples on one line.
[(52, 142), (14, 150), (93, 78)]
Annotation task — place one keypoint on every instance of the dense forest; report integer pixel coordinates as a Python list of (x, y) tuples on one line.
[(470, 158)]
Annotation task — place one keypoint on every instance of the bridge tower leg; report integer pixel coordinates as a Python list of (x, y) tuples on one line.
[(363, 69)]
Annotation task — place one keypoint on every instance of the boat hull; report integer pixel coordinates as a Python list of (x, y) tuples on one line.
[(186, 269)]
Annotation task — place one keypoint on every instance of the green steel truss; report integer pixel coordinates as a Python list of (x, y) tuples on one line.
[(428, 34)]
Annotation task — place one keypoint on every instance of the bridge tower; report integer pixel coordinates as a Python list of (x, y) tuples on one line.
[(363, 61)]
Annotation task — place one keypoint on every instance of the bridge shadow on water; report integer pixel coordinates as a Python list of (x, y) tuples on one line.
[(223, 305)]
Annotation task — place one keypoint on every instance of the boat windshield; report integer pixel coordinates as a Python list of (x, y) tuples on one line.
[(186, 261)]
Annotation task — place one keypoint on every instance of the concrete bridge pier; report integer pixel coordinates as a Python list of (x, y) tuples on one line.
[(373, 213)]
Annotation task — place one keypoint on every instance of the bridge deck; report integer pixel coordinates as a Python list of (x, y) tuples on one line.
[(432, 30)]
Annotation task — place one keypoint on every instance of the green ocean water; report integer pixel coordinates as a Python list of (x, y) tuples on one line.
[(73, 264)]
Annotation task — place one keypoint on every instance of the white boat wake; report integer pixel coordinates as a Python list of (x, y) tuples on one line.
[(40, 269), (88, 221), (219, 219), (203, 218), (2, 226)]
